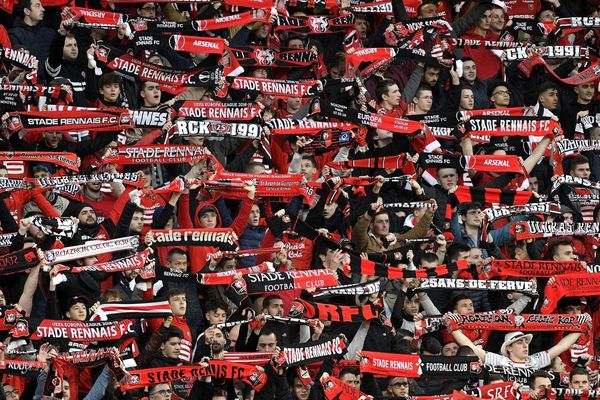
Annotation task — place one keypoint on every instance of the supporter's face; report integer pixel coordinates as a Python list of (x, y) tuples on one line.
[(36, 12), (151, 94), (464, 306), (329, 210), (497, 19), (217, 316), (595, 133), (260, 73), (572, 309), (2, 298), (485, 21), (398, 387), (178, 262), (148, 10), (585, 92), (428, 11), (296, 44), (581, 171), (53, 138), (66, 390), (131, 274), (519, 349), (469, 71), (568, 218), (275, 308), (171, 348), (93, 186), (3, 172), (431, 76), (300, 390), (581, 382), (218, 342), (424, 100), (534, 184), (449, 349), (547, 16), (540, 384), (266, 343), (110, 92), (549, 99), (70, 49), (161, 391), (178, 305), (381, 224), (383, 134), (11, 393), (500, 96), (475, 257), (87, 261), (393, 95), (77, 312), (254, 217), (87, 216), (263, 31), (558, 365), (137, 222), (307, 169), (448, 178), (351, 379), (428, 264), (473, 218), (362, 26), (294, 103), (564, 252), (467, 100), (208, 219), (411, 306), (335, 73)]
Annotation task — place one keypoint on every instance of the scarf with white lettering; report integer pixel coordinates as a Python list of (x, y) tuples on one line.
[(216, 278), (94, 248), (486, 163), (156, 154), (132, 309), (588, 75), (91, 18), (352, 289), (127, 178), (570, 394), (19, 58), (73, 120), (512, 126), (334, 313), (169, 79), (548, 52), (486, 44), (202, 25), (292, 280), (334, 389), (75, 331), (18, 261), (197, 127), (197, 44), (535, 229), (8, 185), (219, 111), (523, 322), (273, 87), (256, 56), (57, 227), (217, 237), (404, 30), (286, 126), (139, 378), (474, 284), (544, 208), (141, 261), (6, 239), (150, 118), (308, 353), (22, 368), (569, 285), (376, 7), (411, 205), (361, 266), (314, 24), (65, 160), (413, 366), (11, 101), (529, 268), (574, 181), (566, 146)]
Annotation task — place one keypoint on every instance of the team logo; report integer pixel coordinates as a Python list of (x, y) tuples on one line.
[(519, 320), (318, 24), (264, 56), (177, 42), (102, 54)]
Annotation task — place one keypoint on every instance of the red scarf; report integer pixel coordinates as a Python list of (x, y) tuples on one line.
[(524, 322), (570, 285)]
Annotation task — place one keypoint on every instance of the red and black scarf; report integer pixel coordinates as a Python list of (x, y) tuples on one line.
[(217, 237), (156, 154), (219, 111), (570, 285), (75, 331), (278, 281), (530, 268), (18, 261), (191, 44), (361, 266), (73, 120), (308, 353), (330, 312), (523, 322), (512, 126)]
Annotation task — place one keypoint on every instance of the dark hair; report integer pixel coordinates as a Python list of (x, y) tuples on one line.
[(175, 292), (403, 346), (175, 251), (465, 351), (310, 158), (466, 207), (596, 212), (578, 160), (173, 331), (213, 305), (546, 85), (496, 85), (112, 292), (23, 4), (494, 377), (553, 246), (266, 331), (455, 249), (431, 345), (459, 297), (430, 257), (349, 370), (423, 88), (538, 374), (578, 371), (108, 79), (269, 299), (383, 87)]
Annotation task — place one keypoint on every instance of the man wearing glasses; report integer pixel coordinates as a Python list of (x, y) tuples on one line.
[(11, 393), (499, 96), (161, 391), (397, 387)]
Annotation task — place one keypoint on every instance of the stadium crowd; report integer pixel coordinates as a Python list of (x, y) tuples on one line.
[(300, 199)]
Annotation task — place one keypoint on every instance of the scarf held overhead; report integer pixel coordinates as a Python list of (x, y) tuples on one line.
[(523, 322), (570, 285), (330, 312)]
